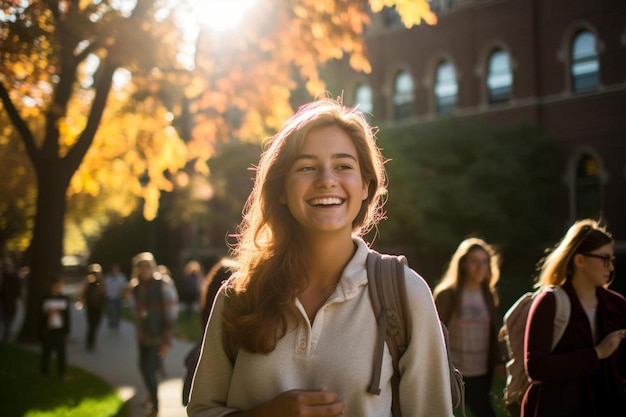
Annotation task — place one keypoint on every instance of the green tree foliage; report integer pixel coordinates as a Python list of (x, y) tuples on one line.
[(450, 180)]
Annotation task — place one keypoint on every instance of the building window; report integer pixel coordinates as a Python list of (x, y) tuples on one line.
[(363, 100), (442, 6), (584, 62), (403, 103), (446, 88), (587, 188), (499, 77), (392, 18)]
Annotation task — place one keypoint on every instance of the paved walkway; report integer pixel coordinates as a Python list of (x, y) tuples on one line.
[(115, 359)]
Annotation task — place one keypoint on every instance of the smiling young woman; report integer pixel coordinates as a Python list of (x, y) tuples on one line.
[(297, 307)]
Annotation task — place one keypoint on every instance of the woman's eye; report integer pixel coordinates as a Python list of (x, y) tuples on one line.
[(344, 167), (305, 168)]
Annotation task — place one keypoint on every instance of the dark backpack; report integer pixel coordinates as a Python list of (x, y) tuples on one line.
[(387, 288)]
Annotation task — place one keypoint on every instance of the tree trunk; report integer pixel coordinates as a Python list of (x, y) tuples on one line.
[(46, 246)]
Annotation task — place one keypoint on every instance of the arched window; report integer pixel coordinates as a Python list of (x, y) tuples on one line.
[(584, 60), (392, 18), (587, 188), (446, 88), (403, 101), (363, 99), (499, 77)]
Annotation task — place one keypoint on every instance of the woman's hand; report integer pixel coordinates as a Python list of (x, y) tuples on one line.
[(610, 343), (299, 403)]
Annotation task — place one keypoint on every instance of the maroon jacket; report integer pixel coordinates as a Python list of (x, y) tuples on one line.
[(574, 382)]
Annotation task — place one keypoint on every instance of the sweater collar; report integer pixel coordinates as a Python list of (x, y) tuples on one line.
[(354, 275)]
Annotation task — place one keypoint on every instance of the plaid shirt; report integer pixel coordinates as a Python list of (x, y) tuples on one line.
[(155, 306)]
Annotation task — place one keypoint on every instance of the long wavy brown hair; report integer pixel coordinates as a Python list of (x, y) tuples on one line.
[(269, 252)]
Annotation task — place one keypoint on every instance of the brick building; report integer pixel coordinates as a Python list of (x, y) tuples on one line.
[(559, 64)]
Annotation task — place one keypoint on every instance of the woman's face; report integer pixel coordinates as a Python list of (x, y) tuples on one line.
[(324, 188), (597, 265), (144, 270), (476, 266)]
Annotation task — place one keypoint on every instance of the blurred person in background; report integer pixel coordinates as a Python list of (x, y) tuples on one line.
[(467, 301), (217, 275), (54, 327), (155, 308), (190, 286), (10, 296), (115, 283), (93, 300)]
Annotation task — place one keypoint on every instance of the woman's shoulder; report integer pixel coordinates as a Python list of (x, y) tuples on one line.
[(416, 286), (415, 278), (612, 296)]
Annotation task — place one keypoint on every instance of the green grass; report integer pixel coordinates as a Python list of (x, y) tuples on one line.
[(25, 393)]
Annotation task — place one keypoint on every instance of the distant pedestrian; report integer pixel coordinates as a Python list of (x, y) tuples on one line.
[(115, 283), (10, 295), (93, 299), (211, 284), (467, 300), (190, 286), (166, 276), (217, 275), (54, 327), (155, 310)]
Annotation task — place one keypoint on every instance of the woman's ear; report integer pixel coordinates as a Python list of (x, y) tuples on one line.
[(578, 260), (366, 188)]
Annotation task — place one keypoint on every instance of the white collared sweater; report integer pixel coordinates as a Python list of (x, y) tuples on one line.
[(336, 352)]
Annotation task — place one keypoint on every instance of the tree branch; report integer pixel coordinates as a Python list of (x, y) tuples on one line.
[(103, 86), (18, 122)]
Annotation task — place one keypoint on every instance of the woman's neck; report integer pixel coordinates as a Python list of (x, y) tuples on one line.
[(585, 291), (327, 260), (471, 285)]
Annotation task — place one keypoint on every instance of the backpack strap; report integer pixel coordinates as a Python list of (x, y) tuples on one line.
[(387, 289), (562, 314)]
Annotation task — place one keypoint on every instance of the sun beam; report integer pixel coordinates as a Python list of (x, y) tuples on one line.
[(221, 15)]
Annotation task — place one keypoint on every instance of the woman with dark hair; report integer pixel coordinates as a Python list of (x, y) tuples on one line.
[(585, 372), (297, 308), (217, 275), (467, 301)]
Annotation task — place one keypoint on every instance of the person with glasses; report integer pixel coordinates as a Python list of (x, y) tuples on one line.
[(467, 302), (585, 372)]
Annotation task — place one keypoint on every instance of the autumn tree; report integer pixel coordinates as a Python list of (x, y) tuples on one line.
[(59, 60)]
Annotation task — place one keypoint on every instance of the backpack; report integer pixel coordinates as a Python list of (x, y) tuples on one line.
[(387, 289), (513, 330)]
